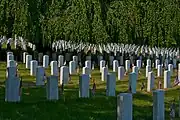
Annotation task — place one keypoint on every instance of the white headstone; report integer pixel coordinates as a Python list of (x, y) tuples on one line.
[(158, 105), (52, 88), (40, 76), (121, 72), (28, 59), (127, 66), (10, 57), (148, 69), (84, 86), (72, 67), (33, 67), (133, 81), (124, 106), (115, 65), (159, 71), (11, 63), (12, 90), (111, 84), (150, 84), (54, 68), (157, 63), (104, 73), (87, 71), (138, 62), (64, 75), (75, 58), (102, 64), (167, 79), (24, 57), (45, 61), (60, 60), (135, 70), (148, 62), (170, 68), (88, 64)]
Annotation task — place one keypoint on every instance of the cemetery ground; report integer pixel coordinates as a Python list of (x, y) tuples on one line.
[(34, 105)]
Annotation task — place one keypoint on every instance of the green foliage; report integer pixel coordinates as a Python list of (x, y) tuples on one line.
[(152, 22)]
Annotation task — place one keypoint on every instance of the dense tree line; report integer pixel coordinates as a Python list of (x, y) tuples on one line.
[(151, 22)]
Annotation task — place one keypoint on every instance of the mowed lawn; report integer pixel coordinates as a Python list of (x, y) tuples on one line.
[(34, 106)]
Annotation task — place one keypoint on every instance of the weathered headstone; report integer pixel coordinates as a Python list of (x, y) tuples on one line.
[(111, 84), (40, 76), (52, 88), (150, 84), (104, 73), (33, 67), (84, 86), (45, 61), (124, 106), (167, 79), (121, 72), (158, 105), (28, 59), (64, 75)]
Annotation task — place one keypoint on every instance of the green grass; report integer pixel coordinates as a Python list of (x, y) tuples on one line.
[(34, 105)]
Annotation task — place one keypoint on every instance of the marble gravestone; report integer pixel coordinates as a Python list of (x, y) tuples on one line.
[(111, 84), (158, 105), (115, 65), (10, 57), (151, 80), (12, 86), (45, 61), (148, 69), (64, 75), (11, 63), (104, 73), (170, 68), (28, 59), (157, 63), (72, 67), (24, 57), (135, 70), (88, 64), (124, 106), (87, 71), (60, 60), (121, 72), (75, 58), (54, 68), (127, 66), (52, 88), (102, 64), (167, 79), (40, 76), (133, 81), (159, 71), (84, 86), (138, 62), (148, 62), (33, 67)]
